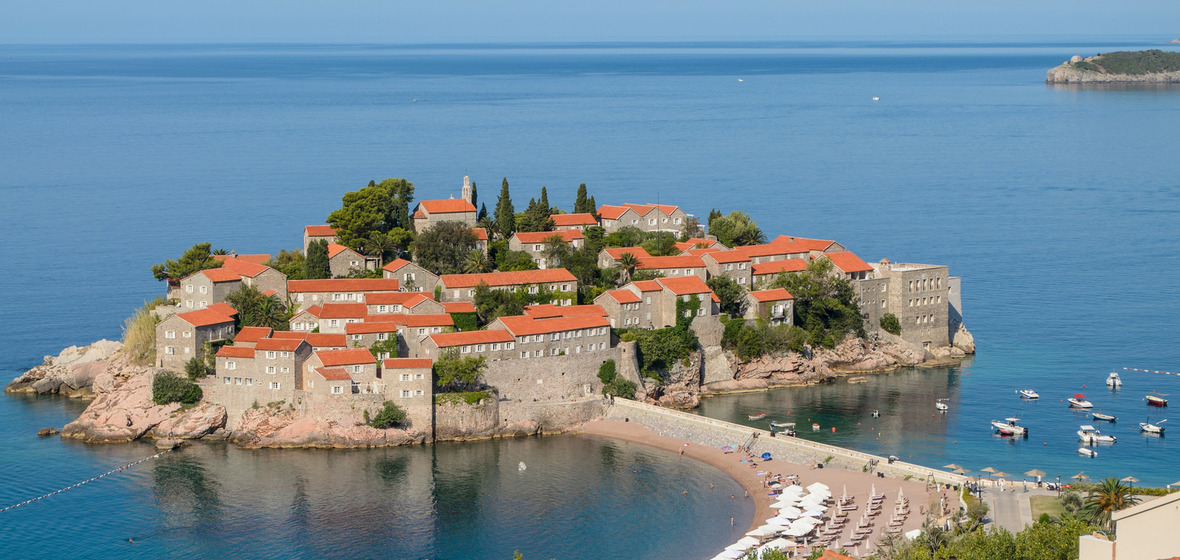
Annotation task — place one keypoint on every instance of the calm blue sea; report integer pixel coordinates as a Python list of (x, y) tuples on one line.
[(1058, 206)]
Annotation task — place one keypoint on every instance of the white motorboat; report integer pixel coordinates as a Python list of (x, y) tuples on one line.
[(1079, 401), (1089, 434), (1113, 380), (1087, 452), (941, 405), (1028, 394), (1148, 427), (1009, 426), (1103, 417)]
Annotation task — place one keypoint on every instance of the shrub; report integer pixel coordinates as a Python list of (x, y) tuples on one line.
[(195, 369), (390, 416), (612, 384), (465, 322), (733, 328), (607, 371), (169, 388), (890, 324), (139, 333)]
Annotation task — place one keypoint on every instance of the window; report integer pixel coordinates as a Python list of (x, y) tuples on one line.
[(230, 364), (188, 288), (539, 353), (333, 322), (422, 330), (270, 355), (419, 376), (524, 354), (169, 334), (536, 247), (228, 380), (188, 303), (742, 280), (382, 336), (406, 394), (249, 381), (676, 220), (284, 370), (495, 346), (408, 276), (509, 345), (299, 297), (480, 347), (381, 308), (353, 263), (237, 381), (284, 354), (457, 294), (418, 393), (651, 221), (337, 390), (204, 289), (356, 337), (741, 266), (533, 289), (204, 304), (466, 350), (275, 385), (170, 350), (270, 369), (555, 336)]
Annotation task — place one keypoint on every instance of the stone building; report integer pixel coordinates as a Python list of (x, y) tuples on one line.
[(409, 383), (776, 307), (653, 303), (647, 217), (307, 293), (535, 243), (358, 363), (764, 274), (278, 368), (917, 294), (207, 287), (559, 336), (181, 337), (1142, 530), (412, 303), (573, 221), (263, 278), (334, 316), (624, 308), (850, 266), (610, 256), (673, 266), (343, 261), (306, 320), (559, 281), (493, 344), (431, 212), (367, 334), (318, 233), (413, 278)]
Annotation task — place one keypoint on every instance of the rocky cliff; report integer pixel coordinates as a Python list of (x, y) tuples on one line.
[(1146, 67), (69, 374)]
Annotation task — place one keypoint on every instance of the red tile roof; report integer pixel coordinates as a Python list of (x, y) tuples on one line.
[(333, 374), (684, 285), (344, 311), (254, 258), (644, 209), (235, 352), (567, 220), (624, 296), (848, 262), (314, 311), (777, 294), (223, 308), (514, 278), (418, 214), (480, 233), (548, 310), (447, 340), (269, 293), (647, 285), (566, 235), (404, 363), (459, 307), (803, 243), (319, 231), (336, 248), (371, 328), (425, 320), (205, 317), (396, 298), (775, 267), (702, 251), (521, 325), (290, 335), (608, 212), (395, 264), (279, 344), (655, 263), (240, 266), (252, 334), (323, 340), (221, 275), (833, 555), (617, 252), (345, 357), (450, 206), (343, 285)]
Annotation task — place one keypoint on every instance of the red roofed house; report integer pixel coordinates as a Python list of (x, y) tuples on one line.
[(609, 256), (365, 335), (322, 341), (849, 265), (249, 336), (492, 344), (431, 212), (548, 310), (614, 218), (182, 336), (204, 288), (327, 381), (805, 245), (766, 273), (536, 243), (262, 277), (357, 363), (673, 266), (409, 383), (306, 320), (573, 221), (410, 303), (342, 261), (652, 303), (647, 217), (461, 287), (414, 329), (333, 316), (276, 372), (624, 307), (481, 239), (775, 306), (317, 233), (307, 293), (559, 336), (413, 278), (701, 243), (236, 363)]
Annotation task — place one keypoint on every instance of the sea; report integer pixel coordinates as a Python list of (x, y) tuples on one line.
[(1058, 206)]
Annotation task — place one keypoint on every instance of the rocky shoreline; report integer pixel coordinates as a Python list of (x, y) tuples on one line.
[(122, 409), (1067, 73)]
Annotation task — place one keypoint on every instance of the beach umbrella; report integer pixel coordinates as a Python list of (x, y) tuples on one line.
[(873, 490), (1177, 483), (783, 521), (988, 469), (745, 543), (813, 513), (1002, 474), (776, 544), (1035, 473), (730, 553), (794, 489), (952, 466), (960, 470), (1130, 479), (764, 531), (814, 486), (1080, 476), (789, 512)]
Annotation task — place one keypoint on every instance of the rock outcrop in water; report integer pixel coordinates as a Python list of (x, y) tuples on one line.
[(69, 374), (1146, 67)]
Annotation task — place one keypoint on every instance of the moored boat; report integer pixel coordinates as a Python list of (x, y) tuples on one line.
[(1113, 380), (1156, 399), (815, 427), (1148, 427), (756, 416), (941, 405), (1079, 401), (1089, 434), (1009, 425), (1087, 452), (1029, 394), (1103, 417)]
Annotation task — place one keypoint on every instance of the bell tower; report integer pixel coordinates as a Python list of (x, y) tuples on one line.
[(467, 188)]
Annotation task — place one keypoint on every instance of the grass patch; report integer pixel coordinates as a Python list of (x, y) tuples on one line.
[(139, 333), (1046, 504), (470, 397)]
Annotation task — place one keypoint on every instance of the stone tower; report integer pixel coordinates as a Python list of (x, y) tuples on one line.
[(467, 188)]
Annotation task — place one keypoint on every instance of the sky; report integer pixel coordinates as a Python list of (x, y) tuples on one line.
[(515, 21)]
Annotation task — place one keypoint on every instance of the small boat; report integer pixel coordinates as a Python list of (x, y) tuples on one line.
[(875, 98), (785, 428), (1005, 432), (941, 405), (861, 379), (1028, 394), (1087, 452), (1079, 401), (815, 427), (1103, 417), (757, 416), (1009, 424), (876, 414), (1148, 427), (1113, 380), (1156, 399), (1089, 434), (777, 424)]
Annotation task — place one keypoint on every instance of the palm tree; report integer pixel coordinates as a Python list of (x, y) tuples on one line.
[(1108, 497), (272, 313), (628, 262), (476, 262)]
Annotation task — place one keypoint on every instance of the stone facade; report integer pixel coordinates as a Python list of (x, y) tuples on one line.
[(181, 337), (413, 278), (207, 287), (431, 212), (559, 281), (535, 243), (342, 261), (776, 307), (918, 294), (306, 293), (647, 217), (409, 383), (318, 233)]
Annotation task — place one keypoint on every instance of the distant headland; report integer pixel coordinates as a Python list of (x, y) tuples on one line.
[(1123, 67)]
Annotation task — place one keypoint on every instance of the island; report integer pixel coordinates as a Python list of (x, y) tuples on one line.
[(1123, 67)]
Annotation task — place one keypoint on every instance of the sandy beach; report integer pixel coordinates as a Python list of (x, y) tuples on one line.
[(858, 484)]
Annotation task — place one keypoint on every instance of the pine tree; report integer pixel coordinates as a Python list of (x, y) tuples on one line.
[(505, 213), (581, 202), (405, 195), (316, 265), (593, 209), (483, 213), (545, 200)]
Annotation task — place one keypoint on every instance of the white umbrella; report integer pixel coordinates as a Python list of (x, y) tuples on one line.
[(765, 530), (790, 512), (788, 500), (731, 554), (810, 503), (911, 535), (745, 543), (813, 513), (779, 521), (798, 531), (817, 486), (793, 489), (777, 544)]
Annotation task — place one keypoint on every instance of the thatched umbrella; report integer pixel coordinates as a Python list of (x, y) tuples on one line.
[(1036, 473), (989, 471), (1129, 479), (960, 470), (952, 466), (1080, 477)]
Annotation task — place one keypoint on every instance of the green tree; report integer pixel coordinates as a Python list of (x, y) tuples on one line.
[(736, 229), (691, 229), (196, 368), (505, 213), (732, 295), (474, 195), (391, 416), (612, 384), (289, 263), (378, 207), (626, 236), (557, 251), (384, 349), (1109, 496), (257, 310), (508, 261), (825, 304), (535, 218), (476, 262), (316, 265), (627, 263), (168, 387), (660, 243), (890, 324), (482, 219), (443, 249), (581, 202), (544, 201), (454, 374), (196, 259)]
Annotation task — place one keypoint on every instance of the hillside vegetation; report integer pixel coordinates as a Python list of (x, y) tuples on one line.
[(1132, 63)]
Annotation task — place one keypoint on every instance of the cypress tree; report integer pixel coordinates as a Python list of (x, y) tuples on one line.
[(483, 213), (581, 202), (405, 195), (545, 200), (474, 196), (505, 213), (593, 209), (316, 265)]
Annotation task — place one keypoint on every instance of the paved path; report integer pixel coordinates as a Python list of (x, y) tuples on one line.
[(1011, 510)]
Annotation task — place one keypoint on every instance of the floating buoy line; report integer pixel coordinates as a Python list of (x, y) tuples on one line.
[(89, 480)]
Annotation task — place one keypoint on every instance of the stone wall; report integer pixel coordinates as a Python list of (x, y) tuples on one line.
[(715, 433), (550, 379)]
